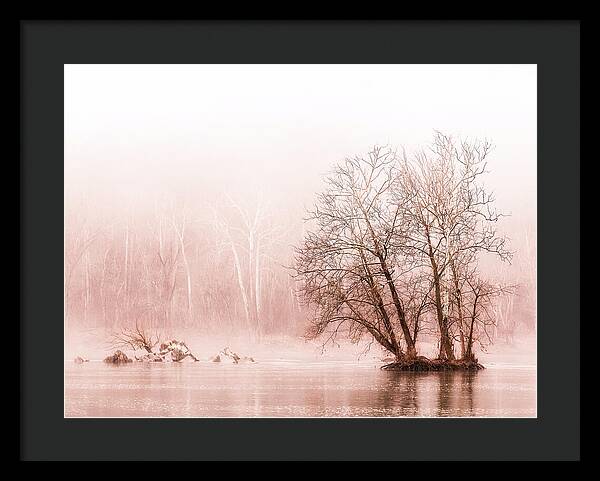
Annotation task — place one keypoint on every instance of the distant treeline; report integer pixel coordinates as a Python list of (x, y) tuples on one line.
[(216, 266), (393, 250)]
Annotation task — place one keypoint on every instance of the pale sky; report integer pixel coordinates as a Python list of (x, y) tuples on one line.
[(135, 129)]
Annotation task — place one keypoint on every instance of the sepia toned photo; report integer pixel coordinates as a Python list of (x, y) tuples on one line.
[(300, 241)]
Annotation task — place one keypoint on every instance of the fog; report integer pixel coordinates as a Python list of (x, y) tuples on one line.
[(170, 158), (130, 130)]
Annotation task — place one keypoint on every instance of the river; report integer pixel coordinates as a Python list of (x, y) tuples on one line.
[(293, 389)]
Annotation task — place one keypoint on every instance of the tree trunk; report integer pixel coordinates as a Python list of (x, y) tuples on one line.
[(446, 351), (469, 350), (240, 278), (410, 345), (374, 289), (187, 274), (459, 306), (257, 279), (87, 296), (127, 270)]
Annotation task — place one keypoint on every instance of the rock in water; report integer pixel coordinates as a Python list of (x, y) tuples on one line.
[(231, 355), (79, 360), (176, 351), (150, 357), (178, 354), (187, 358), (227, 355), (118, 357)]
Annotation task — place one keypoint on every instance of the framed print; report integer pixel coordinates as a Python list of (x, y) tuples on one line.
[(267, 236)]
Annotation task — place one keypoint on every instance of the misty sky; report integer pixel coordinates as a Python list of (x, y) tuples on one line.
[(131, 130)]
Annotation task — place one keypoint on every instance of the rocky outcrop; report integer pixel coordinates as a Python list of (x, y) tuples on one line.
[(227, 355), (119, 357), (171, 351), (150, 357), (80, 360), (176, 351)]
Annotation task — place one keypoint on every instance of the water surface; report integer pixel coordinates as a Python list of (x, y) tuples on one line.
[(293, 389)]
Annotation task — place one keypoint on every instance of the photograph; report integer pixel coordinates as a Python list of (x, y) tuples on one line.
[(300, 240)]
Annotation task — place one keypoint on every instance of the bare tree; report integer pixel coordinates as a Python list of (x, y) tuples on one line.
[(136, 338), (179, 225), (451, 218), (249, 235), (78, 239), (346, 265), (397, 238), (168, 251), (480, 297)]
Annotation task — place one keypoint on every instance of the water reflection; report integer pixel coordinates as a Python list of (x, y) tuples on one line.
[(399, 390), (291, 390), (455, 393), (427, 393)]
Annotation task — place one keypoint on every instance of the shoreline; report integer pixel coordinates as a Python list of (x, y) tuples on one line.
[(296, 363)]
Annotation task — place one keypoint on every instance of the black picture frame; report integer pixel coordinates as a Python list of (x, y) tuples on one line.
[(45, 46)]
